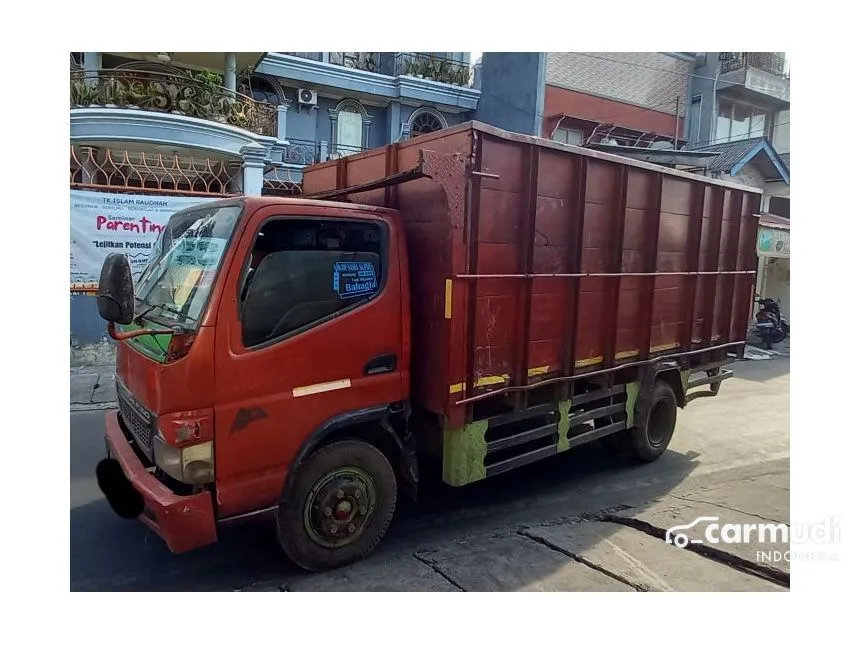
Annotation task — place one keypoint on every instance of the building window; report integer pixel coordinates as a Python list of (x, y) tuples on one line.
[(425, 121), (261, 89), (349, 128), (738, 121), (570, 137), (304, 272)]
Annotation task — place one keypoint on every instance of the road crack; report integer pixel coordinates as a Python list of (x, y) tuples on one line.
[(728, 508), (770, 574), (554, 547), (438, 570)]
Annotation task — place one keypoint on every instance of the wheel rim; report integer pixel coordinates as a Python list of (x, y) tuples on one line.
[(659, 423), (339, 507)]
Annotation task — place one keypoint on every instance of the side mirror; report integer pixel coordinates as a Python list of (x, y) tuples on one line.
[(116, 290)]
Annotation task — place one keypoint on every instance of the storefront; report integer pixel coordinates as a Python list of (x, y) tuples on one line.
[(773, 250)]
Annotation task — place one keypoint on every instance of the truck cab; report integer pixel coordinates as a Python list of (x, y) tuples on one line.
[(260, 327)]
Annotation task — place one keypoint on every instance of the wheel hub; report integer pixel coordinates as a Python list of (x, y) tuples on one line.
[(339, 507)]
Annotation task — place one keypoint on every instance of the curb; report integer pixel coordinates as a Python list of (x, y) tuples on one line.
[(85, 407)]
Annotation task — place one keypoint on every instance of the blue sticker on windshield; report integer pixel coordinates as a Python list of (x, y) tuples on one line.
[(353, 279)]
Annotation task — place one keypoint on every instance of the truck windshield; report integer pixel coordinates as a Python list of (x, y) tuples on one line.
[(176, 282)]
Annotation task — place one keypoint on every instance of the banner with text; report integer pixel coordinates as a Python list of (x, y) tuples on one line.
[(104, 223)]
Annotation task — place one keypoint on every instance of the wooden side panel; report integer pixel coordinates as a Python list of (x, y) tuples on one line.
[(559, 262)]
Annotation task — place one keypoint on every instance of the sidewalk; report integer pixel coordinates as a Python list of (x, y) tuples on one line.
[(92, 388), (616, 550)]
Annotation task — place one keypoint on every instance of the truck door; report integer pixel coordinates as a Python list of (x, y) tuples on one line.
[(309, 329)]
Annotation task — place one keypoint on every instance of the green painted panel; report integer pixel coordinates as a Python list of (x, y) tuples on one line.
[(685, 381), (632, 395), (563, 425), (155, 347), (463, 453)]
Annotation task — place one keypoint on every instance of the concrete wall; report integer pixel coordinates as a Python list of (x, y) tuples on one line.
[(645, 79), (89, 343), (777, 283), (749, 176), (512, 91)]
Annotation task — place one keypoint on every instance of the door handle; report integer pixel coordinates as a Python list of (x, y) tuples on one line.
[(381, 364)]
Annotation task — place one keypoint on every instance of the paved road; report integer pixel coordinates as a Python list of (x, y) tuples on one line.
[(741, 435)]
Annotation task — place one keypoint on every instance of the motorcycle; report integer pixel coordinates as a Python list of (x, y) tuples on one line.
[(769, 323)]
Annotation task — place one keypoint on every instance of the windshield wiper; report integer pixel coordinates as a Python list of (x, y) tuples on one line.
[(158, 305)]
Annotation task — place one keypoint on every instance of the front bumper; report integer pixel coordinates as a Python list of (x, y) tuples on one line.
[(184, 522)]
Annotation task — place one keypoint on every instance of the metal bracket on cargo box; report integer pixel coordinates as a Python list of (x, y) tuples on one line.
[(714, 378), (439, 166)]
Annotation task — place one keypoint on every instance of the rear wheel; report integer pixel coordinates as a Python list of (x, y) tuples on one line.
[(777, 334), (339, 507), (649, 442)]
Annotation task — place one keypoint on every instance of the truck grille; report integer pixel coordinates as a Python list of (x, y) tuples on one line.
[(136, 418)]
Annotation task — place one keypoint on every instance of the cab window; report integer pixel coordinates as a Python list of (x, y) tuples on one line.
[(303, 272)]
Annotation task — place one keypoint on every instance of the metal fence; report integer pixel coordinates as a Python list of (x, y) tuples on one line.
[(434, 68), (148, 172), (766, 61)]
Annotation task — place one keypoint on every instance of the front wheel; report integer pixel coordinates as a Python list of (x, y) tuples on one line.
[(339, 507)]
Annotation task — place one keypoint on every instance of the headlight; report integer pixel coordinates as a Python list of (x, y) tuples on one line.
[(190, 465)]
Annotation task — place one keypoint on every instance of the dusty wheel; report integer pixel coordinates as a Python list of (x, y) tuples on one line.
[(649, 442), (339, 506)]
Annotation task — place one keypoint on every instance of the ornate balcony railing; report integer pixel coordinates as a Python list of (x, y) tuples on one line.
[(435, 68), (367, 61), (766, 61), (192, 95), (302, 153)]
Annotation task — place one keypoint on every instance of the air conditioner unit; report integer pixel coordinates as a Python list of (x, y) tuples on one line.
[(307, 97)]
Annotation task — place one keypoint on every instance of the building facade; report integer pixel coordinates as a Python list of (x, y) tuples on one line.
[(194, 126), (624, 99)]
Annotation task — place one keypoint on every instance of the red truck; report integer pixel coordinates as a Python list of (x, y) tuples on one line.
[(472, 299)]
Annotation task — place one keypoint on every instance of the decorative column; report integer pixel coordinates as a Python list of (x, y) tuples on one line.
[(253, 165), (282, 122), (230, 71), (332, 115), (92, 63), (365, 139), (393, 121)]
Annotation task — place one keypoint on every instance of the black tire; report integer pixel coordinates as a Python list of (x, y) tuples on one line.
[(649, 442), (777, 334), (337, 475)]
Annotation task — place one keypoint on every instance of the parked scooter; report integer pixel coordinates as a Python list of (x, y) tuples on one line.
[(771, 326)]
